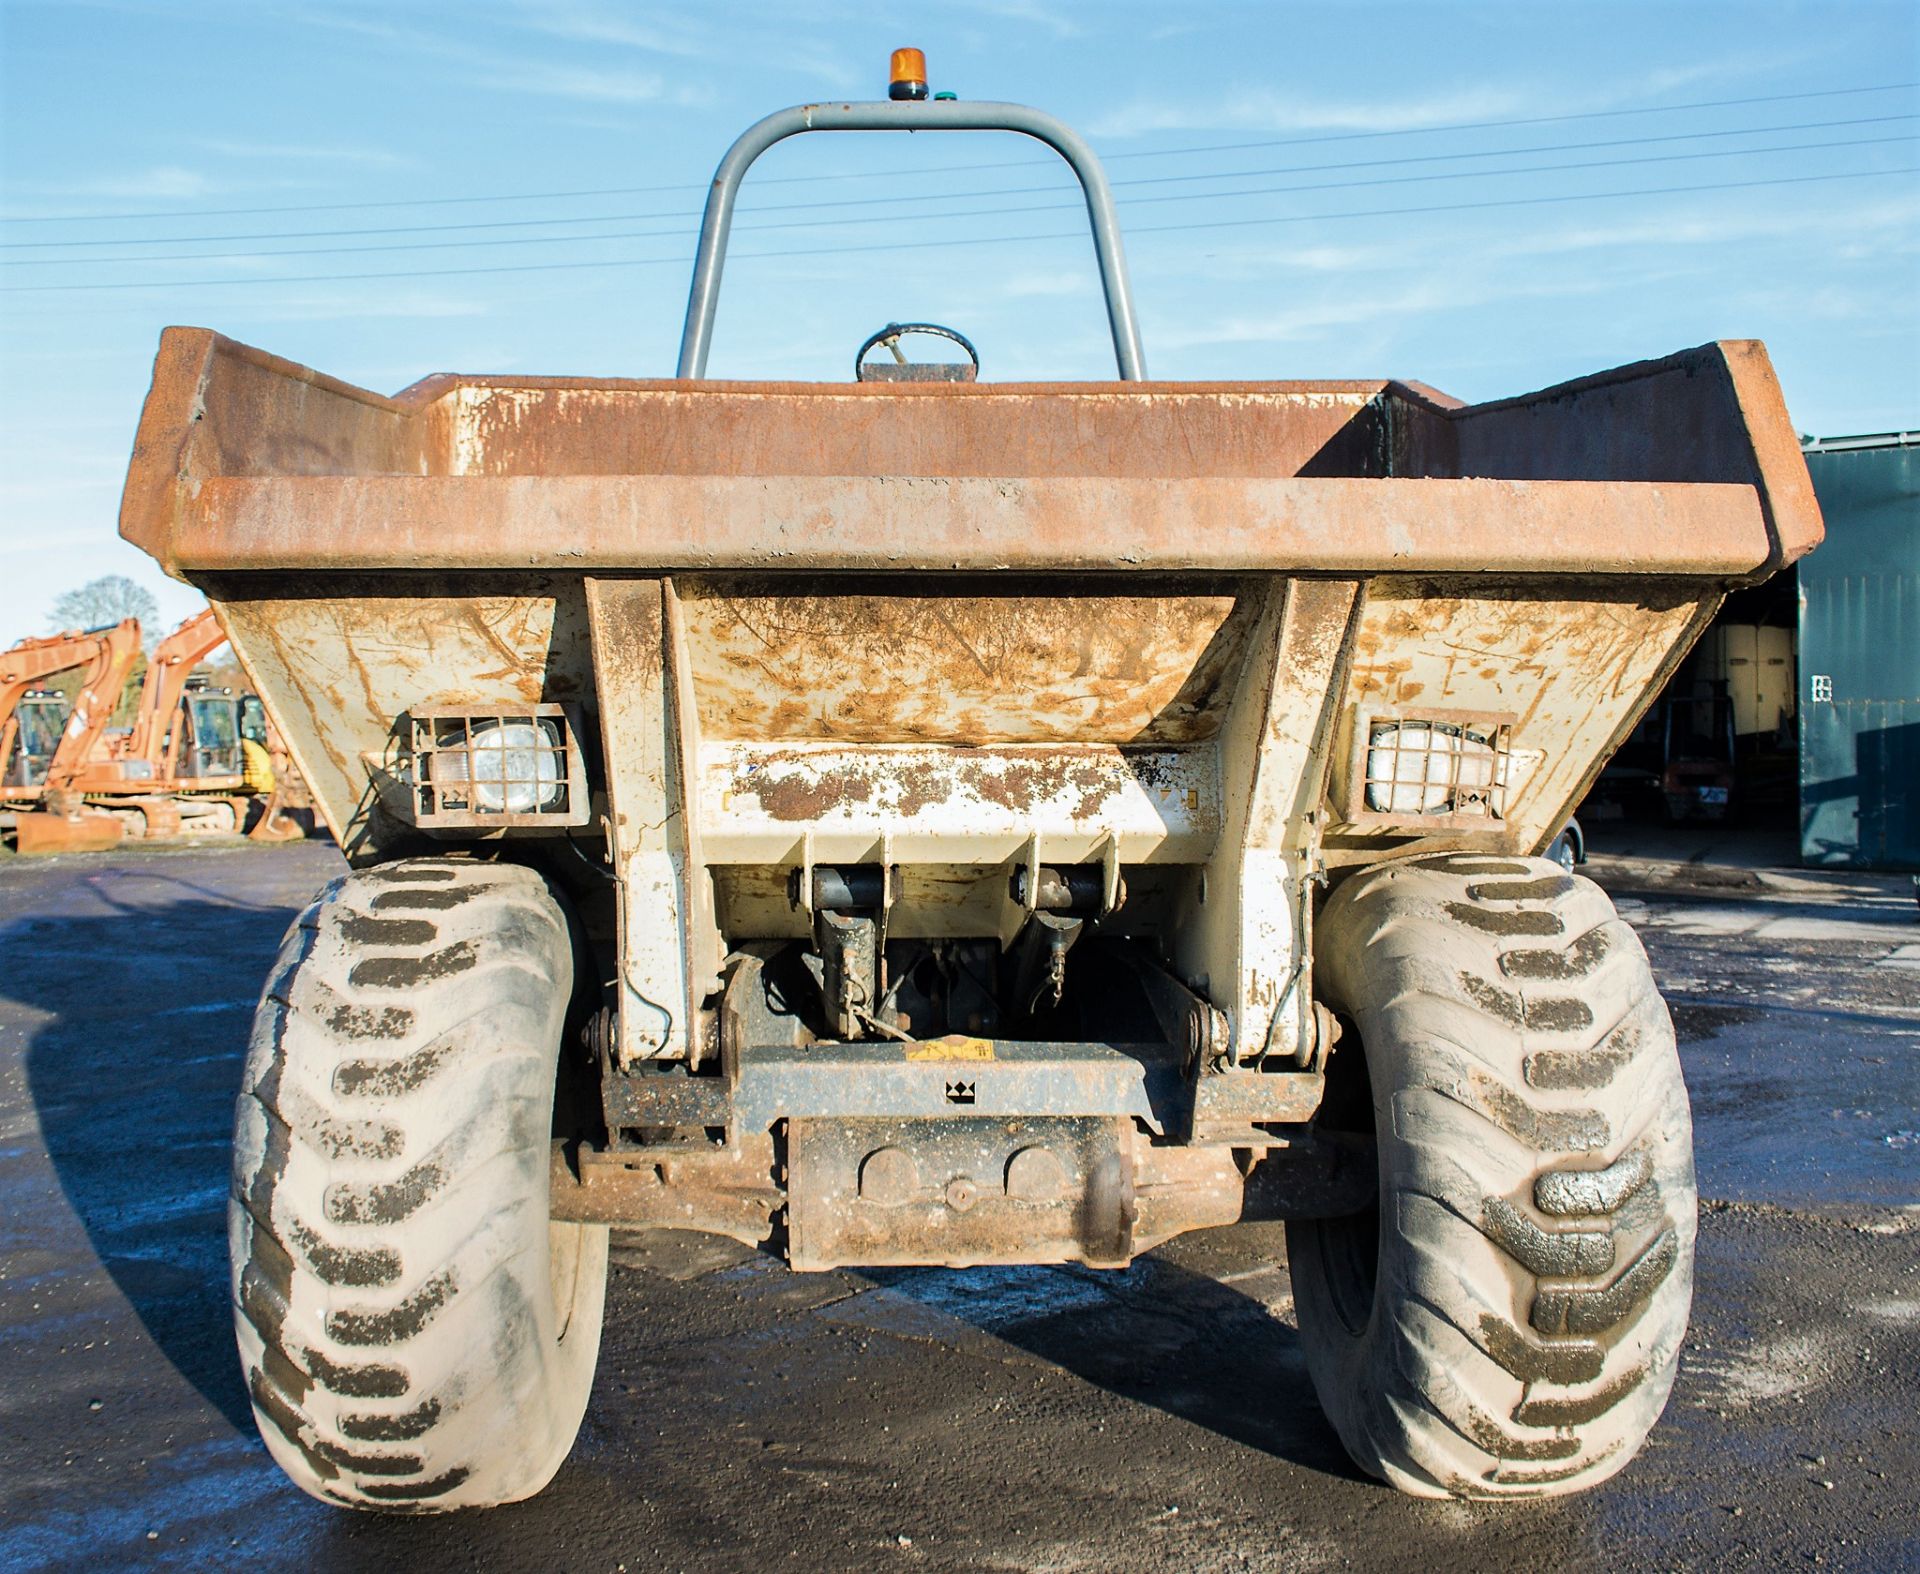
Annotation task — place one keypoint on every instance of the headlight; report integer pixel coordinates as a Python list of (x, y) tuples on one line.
[(1422, 768), (515, 767), (495, 771)]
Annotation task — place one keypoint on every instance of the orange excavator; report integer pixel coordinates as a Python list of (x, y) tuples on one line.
[(183, 766), (36, 724), (170, 741), (209, 744)]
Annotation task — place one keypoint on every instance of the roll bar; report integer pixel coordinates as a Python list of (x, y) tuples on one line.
[(891, 115)]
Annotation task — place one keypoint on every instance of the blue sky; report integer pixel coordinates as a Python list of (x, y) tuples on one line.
[(1323, 190)]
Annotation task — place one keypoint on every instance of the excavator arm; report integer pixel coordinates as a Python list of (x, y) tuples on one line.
[(108, 654), (154, 738)]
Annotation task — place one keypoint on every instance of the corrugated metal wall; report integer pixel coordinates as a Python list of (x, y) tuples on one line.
[(1860, 658)]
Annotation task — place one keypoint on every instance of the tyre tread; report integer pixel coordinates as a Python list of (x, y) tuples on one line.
[(1537, 1166), (388, 1275)]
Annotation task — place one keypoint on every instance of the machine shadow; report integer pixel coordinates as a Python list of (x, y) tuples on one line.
[(132, 1079), (1156, 1333)]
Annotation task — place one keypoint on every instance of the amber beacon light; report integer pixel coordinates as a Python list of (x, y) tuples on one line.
[(907, 77)]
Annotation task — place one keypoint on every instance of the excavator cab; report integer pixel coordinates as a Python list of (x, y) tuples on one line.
[(41, 715), (253, 720), (210, 744)]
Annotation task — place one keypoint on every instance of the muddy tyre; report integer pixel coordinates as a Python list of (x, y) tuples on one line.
[(1507, 1318), (415, 1333)]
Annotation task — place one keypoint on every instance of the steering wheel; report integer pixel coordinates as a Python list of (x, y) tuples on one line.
[(903, 370)]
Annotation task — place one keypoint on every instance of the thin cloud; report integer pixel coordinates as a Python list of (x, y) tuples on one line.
[(681, 39), (1024, 286), (1832, 303), (511, 72), (1722, 68), (661, 35), (1865, 230), (305, 153), (1278, 109), (323, 305), (1229, 262), (49, 199), (62, 547), (1048, 18), (575, 82), (162, 183), (43, 489), (1362, 309), (1270, 110), (1720, 229)]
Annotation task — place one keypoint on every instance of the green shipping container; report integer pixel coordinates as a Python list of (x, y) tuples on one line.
[(1860, 657)]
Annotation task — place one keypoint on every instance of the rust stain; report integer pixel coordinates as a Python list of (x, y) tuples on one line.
[(792, 787), (476, 619), (796, 797), (360, 671), (973, 668), (630, 617), (920, 787)]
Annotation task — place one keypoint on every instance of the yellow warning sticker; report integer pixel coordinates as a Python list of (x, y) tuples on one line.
[(955, 1046)]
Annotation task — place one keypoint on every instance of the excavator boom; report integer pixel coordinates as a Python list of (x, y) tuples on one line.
[(154, 738)]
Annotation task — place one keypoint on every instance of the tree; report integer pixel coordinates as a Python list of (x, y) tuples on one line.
[(106, 600)]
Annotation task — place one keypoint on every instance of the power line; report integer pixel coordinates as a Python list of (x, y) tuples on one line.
[(682, 259), (1529, 169), (965, 213), (1527, 202), (1545, 147), (895, 199), (1532, 120), (1215, 147)]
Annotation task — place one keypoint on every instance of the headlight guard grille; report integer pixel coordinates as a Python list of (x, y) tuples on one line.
[(1430, 770), (497, 768)]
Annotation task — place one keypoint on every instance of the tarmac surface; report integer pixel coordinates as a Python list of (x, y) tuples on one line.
[(1039, 1418)]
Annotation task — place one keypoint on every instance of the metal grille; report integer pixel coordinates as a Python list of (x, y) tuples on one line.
[(1434, 770), (497, 768)]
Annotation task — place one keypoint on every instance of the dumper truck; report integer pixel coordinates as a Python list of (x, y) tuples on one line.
[(927, 820)]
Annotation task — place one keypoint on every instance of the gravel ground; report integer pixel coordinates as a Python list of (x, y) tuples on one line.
[(1043, 1418)]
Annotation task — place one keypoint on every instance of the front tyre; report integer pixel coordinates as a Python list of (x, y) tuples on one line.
[(1507, 1319), (416, 1333)]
